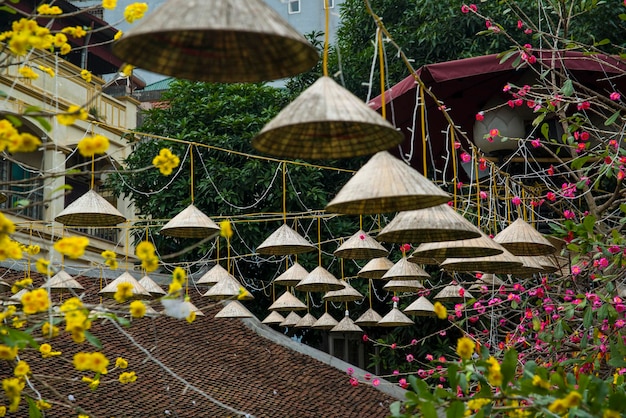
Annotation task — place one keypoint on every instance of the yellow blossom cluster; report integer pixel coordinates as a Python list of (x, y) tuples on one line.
[(135, 11), (123, 292), (72, 247), (76, 320), (494, 372), (440, 310), (21, 369), (28, 73), (14, 141), (47, 70), (46, 351), (121, 363), (465, 348), (127, 377), (118, 35), (166, 162), (35, 301), (46, 9), (86, 75), (13, 387), (74, 31), (26, 34), (93, 383), (43, 266), (109, 4), (178, 280), (477, 403), (562, 406), (73, 114), (9, 248), (146, 252), (49, 331), (137, 309), (7, 352), (109, 259), (92, 145), (539, 382), (21, 284), (95, 362), (30, 249), (127, 69)]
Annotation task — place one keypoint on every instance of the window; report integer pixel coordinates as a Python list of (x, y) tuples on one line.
[(23, 188), (329, 3), (294, 6)]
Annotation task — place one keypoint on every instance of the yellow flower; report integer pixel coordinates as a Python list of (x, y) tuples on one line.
[(73, 247), (440, 310), (144, 250), (74, 31), (609, 413), (137, 309), (46, 351), (86, 75), (573, 399), (107, 254), (21, 284), (541, 383), (135, 11), (243, 293), (9, 248), (74, 112), (465, 348), (179, 275), (494, 372), (3, 411), (118, 35), (127, 70), (112, 263), (121, 363), (25, 143), (191, 317), (561, 406), (7, 353), (93, 383), (43, 266), (43, 405), (35, 301), (478, 403), (13, 387), (28, 73), (65, 49), (46, 9), (226, 229), (109, 4), (91, 145), (123, 292), (21, 369), (127, 377), (150, 264), (47, 70), (166, 162), (95, 362), (7, 226), (60, 40)]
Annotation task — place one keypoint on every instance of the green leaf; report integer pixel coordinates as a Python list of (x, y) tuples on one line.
[(452, 375), (428, 410), (21, 203), (15, 121), (45, 124), (589, 223), (33, 411), (588, 317), (13, 337), (93, 340), (579, 162), (125, 322), (604, 41), (394, 408), (456, 410), (545, 128), (8, 9), (508, 367), (611, 119), (568, 88), (622, 16)]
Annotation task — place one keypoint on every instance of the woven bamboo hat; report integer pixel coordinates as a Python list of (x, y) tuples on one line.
[(274, 318), (326, 121), (285, 241), (212, 276), (548, 262), (290, 320), (489, 280), (346, 325), (217, 41), (395, 318), (228, 287), (62, 281), (520, 238), (482, 246), (502, 263), (150, 285), (369, 318), (319, 280), (347, 294), (325, 321), (4, 286), (386, 184), (361, 246), (421, 307), (306, 321), (434, 224), (405, 270), (190, 307), (376, 268), (530, 266), (453, 293), (139, 292), (90, 209), (234, 309), (190, 223), (292, 276), (403, 286), (286, 303)]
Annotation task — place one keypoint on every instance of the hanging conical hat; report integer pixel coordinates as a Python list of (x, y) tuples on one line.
[(212, 276), (325, 321), (347, 294), (403, 286), (154, 289), (139, 292), (522, 239), (319, 280), (215, 41), (326, 121), (306, 321), (434, 224), (369, 319), (346, 325), (405, 270), (395, 318), (285, 241), (549, 263), (190, 223), (501, 263), (361, 246), (376, 268), (292, 276), (383, 185), (192, 308), (90, 209), (234, 309), (452, 293), (4, 286), (287, 302), (62, 281), (228, 287), (16, 299), (3, 198), (529, 267), (274, 318), (482, 246), (421, 307), (290, 320), (488, 279)]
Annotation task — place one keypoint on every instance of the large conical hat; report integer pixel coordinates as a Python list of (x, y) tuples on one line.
[(274, 318), (421, 307), (290, 320), (347, 294), (395, 318), (306, 321), (216, 41), (150, 285), (522, 239), (403, 286), (501, 263), (405, 270), (482, 246), (386, 184), (326, 121), (90, 209), (285, 241), (489, 280), (529, 267), (62, 281), (325, 321), (369, 318), (453, 293), (376, 268), (292, 276), (361, 246), (228, 287), (190, 223), (346, 325), (549, 263), (212, 276), (319, 280), (234, 309), (287, 303), (437, 223), (139, 292)]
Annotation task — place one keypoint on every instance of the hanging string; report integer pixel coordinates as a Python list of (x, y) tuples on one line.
[(370, 292), (454, 168), (326, 39), (93, 175), (423, 116), (285, 190), (525, 215), (361, 222), (477, 187), (381, 62), (319, 239), (191, 164)]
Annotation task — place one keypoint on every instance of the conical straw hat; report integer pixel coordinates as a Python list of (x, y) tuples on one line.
[(453, 293), (376, 268), (274, 318), (192, 308), (403, 286), (154, 289), (346, 325), (234, 309), (90, 209), (292, 276), (522, 239), (139, 292), (386, 184), (361, 246), (325, 122), (306, 321), (325, 321), (4, 286), (319, 280), (285, 241), (405, 270), (228, 287), (290, 320), (437, 223), (216, 41), (16, 299), (501, 263), (287, 302), (482, 246), (395, 318), (549, 263), (190, 223), (421, 307), (529, 267), (347, 294), (369, 318), (212, 276), (489, 280), (62, 281)]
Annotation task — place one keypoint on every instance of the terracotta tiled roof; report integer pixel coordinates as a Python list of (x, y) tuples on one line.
[(223, 358)]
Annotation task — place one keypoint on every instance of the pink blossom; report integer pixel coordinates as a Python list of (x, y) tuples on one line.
[(480, 116), (551, 196), (520, 24), (465, 157), (482, 164), (550, 170), (410, 358), (494, 132), (367, 376), (403, 383), (536, 143), (614, 249), (506, 88), (487, 23), (354, 381), (483, 195), (414, 341), (516, 200), (350, 371), (395, 299), (569, 214), (465, 9), (532, 59), (615, 96), (393, 346), (365, 337), (362, 237), (429, 357), (457, 145), (528, 31), (375, 382), (583, 105), (576, 270), (473, 7), (396, 372)]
